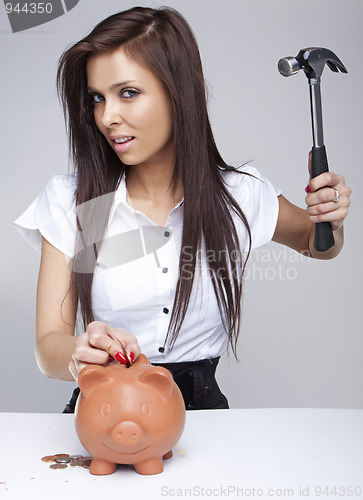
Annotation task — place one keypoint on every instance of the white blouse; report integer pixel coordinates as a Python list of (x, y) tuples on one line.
[(137, 268)]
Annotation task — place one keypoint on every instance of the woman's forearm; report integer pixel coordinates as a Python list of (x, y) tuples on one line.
[(53, 353)]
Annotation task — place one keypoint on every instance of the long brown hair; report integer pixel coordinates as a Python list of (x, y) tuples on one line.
[(162, 41)]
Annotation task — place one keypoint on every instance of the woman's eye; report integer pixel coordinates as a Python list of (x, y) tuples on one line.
[(96, 98), (129, 93)]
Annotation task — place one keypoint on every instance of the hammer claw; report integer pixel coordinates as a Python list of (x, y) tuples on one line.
[(336, 66), (332, 66)]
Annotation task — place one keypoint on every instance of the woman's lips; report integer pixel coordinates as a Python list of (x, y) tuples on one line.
[(122, 143)]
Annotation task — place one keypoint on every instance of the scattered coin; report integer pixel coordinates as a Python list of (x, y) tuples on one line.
[(49, 458), (58, 466), (61, 456), (63, 460), (76, 462)]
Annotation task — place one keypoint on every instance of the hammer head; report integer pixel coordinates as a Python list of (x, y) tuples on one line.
[(312, 60)]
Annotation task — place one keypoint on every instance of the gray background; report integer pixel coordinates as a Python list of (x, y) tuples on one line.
[(301, 342)]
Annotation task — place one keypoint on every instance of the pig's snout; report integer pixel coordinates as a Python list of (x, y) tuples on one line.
[(127, 433)]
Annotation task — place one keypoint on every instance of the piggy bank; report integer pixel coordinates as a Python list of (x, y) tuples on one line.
[(129, 415)]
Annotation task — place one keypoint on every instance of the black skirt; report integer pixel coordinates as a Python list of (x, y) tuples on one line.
[(196, 381)]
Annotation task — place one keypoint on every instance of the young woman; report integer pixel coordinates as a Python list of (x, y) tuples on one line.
[(149, 237)]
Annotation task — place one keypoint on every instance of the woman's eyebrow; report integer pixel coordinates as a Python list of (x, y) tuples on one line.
[(115, 85)]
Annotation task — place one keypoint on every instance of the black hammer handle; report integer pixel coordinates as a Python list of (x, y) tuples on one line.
[(324, 238)]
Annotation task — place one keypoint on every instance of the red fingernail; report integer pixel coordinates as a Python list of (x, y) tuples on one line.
[(121, 358), (132, 357), (110, 359), (307, 189)]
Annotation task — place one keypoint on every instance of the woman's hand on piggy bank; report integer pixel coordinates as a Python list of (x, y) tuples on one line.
[(98, 343)]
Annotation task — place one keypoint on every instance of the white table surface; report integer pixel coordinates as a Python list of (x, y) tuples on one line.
[(271, 453)]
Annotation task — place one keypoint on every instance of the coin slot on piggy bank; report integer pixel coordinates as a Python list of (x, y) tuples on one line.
[(129, 415)]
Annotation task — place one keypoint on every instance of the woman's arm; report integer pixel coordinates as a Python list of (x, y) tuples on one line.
[(296, 227), (59, 353), (55, 318)]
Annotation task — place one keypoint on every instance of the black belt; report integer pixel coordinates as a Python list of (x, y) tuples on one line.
[(196, 381)]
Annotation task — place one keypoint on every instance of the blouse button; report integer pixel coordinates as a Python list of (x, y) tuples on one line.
[(165, 310), (167, 234), (165, 270), (161, 349)]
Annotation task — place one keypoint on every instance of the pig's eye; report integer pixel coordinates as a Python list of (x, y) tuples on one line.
[(145, 408), (106, 408)]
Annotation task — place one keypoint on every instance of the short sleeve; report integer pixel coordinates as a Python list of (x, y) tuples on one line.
[(52, 215), (259, 201)]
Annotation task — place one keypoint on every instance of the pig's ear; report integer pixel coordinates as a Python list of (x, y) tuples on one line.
[(142, 359), (161, 379), (92, 375)]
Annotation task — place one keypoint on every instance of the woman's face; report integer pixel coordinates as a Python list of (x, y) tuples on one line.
[(131, 109)]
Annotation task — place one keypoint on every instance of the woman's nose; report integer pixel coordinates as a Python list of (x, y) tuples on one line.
[(111, 114)]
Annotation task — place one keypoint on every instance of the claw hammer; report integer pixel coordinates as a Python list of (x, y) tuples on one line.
[(312, 60)]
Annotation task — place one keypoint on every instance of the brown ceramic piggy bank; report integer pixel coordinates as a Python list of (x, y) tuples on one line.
[(129, 415)]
